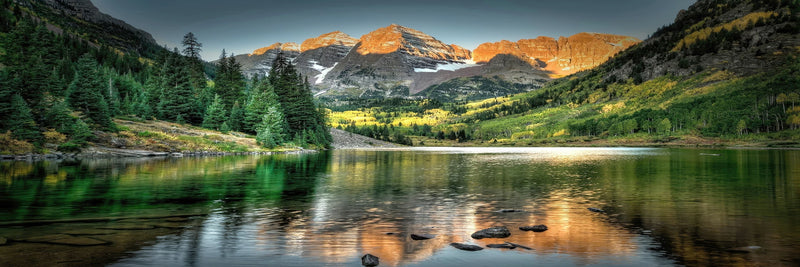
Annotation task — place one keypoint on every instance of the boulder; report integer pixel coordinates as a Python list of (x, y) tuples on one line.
[(466, 247), (370, 260), (535, 228), (494, 232), (421, 236)]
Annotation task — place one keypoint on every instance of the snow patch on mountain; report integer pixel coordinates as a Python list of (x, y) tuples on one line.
[(322, 69), (450, 66)]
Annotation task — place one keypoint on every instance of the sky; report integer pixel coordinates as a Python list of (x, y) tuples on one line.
[(241, 26)]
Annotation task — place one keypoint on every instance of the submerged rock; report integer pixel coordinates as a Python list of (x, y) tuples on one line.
[(466, 247), (421, 236), (62, 239), (510, 210), (370, 260), (518, 246), (494, 232), (535, 228), (595, 210), (504, 245)]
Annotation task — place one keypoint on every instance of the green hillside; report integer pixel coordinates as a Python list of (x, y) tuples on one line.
[(723, 72)]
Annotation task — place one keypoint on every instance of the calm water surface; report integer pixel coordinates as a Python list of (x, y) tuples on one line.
[(663, 207)]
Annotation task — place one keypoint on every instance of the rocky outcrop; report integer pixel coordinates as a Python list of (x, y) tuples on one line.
[(564, 56), (288, 47), (336, 38), (259, 62)]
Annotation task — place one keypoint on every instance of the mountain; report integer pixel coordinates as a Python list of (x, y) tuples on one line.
[(397, 61), (723, 70), (82, 19), (560, 57)]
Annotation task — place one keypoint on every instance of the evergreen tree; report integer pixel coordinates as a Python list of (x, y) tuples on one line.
[(230, 82), (192, 49), (236, 117), (85, 94), (304, 121), (215, 114), (262, 97), (21, 122), (270, 131), (58, 117), (177, 95)]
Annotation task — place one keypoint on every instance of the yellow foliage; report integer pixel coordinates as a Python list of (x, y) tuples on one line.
[(53, 137), (739, 24), (9, 145), (719, 76), (522, 135), (611, 107), (562, 132)]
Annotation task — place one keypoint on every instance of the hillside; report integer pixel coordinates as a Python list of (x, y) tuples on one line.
[(723, 72)]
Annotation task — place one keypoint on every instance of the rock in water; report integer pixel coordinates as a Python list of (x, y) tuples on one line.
[(518, 246), (494, 232), (466, 247), (509, 210), (505, 245), (421, 236), (535, 228), (595, 210), (370, 260), (3, 240)]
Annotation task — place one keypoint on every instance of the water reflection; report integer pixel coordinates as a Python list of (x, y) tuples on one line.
[(664, 207)]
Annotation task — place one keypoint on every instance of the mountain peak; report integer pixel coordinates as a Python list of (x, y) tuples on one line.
[(396, 38), (328, 39), (277, 46)]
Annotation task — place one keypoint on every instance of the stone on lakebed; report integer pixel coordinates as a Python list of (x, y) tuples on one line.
[(494, 232)]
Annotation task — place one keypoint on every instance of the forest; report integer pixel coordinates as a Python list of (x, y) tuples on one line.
[(61, 89)]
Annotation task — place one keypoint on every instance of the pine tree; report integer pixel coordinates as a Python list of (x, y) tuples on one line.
[(230, 82), (21, 122), (215, 114), (262, 97), (270, 131), (192, 49), (302, 116), (85, 94), (177, 95), (236, 117)]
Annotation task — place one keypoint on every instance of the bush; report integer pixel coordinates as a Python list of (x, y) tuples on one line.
[(9, 145)]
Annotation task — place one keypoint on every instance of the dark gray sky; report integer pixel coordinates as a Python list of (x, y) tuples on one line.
[(241, 26)]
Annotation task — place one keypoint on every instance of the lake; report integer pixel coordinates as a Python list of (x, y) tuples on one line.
[(661, 207)]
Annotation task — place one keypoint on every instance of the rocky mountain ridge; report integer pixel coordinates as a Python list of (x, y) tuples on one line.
[(400, 61), (560, 57), (82, 18)]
